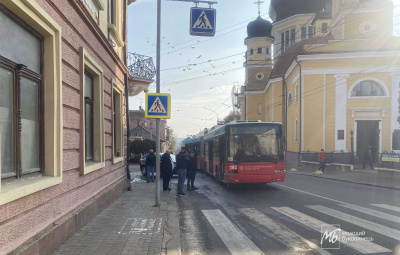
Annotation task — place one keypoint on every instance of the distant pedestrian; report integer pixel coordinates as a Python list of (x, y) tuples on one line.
[(322, 160), (368, 157), (166, 169), (181, 165), (191, 171), (150, 163)]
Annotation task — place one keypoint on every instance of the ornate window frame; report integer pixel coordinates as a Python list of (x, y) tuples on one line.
[(32, 13), (88, 64), (382, 85), (119, 133)]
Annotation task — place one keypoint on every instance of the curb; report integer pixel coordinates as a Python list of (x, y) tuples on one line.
[(172, 235), (362, 183)]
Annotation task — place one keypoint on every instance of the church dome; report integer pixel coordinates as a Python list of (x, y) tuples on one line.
[(282, 9), (259, 28)]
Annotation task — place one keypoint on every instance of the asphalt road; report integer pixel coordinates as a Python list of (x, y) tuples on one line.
[(288, 218)]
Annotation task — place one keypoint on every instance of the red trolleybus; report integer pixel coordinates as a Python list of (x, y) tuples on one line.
[(196, 144), (245, 152)]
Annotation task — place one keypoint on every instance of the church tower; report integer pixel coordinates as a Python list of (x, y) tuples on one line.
[(258, 55)]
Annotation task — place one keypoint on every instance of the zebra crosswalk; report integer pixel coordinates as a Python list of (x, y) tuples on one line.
[(275, 222)]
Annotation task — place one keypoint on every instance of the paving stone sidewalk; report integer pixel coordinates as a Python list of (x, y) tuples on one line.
[(366, 176), (131, 225)]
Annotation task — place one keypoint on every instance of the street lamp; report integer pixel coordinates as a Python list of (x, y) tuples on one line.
[(214, 112)]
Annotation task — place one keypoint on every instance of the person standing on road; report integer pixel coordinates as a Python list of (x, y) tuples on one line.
[(368, 157), (322, 160), (166, 169), (181, 165), (150, 162), (191, 168)]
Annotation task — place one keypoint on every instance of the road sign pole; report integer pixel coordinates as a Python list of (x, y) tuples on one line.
[(158, 64)]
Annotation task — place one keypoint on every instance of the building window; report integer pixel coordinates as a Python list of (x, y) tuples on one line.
[(295, 131), (267, 50), (288, 38), (367, 88), (20, 85), (292, 36), (32, 87), (307, 32), (93, 116), (94, 7), (251, 52), (111, 11), (118, 133), (289, 101), (259, 108), (296, 93), (324, 28), (303, 33), (259, 50), (88, 116)]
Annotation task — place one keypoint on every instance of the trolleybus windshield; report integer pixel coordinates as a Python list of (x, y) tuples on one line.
[(255, 143)]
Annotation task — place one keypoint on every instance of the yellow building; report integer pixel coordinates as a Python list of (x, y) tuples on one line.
[(336, 71)]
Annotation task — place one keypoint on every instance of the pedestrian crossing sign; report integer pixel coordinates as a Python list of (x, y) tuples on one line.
[(158, 106), (202, 21)]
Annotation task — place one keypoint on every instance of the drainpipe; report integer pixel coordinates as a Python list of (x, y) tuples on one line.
[(125, 32), (284, 109), (301, 100), (128, 145)]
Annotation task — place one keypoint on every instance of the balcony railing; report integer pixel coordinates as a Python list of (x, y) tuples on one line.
[(141, 66)]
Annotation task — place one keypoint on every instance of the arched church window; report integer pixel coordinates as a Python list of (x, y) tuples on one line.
[(289, 101), (367, 88)]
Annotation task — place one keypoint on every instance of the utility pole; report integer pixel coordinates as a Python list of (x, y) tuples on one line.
[(158, 64)]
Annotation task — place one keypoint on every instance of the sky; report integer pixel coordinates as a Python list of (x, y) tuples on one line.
[(197, 71), (193, 87)]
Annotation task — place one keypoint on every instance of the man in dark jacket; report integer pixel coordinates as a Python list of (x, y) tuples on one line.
[(166, 169), (181, 166), (191, 171), (150, 163)]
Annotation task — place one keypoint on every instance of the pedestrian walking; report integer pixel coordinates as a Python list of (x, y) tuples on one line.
[(166, 169), (368, 157), (192, 169), (181, 165), (150, 163), (322, 160)]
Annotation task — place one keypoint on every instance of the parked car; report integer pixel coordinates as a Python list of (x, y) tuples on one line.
[(143, 168)]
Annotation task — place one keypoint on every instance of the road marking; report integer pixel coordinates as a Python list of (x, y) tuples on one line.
[(372, 212), (285, 235), (365, 247), (386, 231), (312, 194), (389, 207), (234, 239), (193, 234)]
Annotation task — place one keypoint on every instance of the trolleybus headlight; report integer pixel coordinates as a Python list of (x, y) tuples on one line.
[(280, 171)]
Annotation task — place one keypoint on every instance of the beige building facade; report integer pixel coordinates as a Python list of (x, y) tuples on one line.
[(334, 82)]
